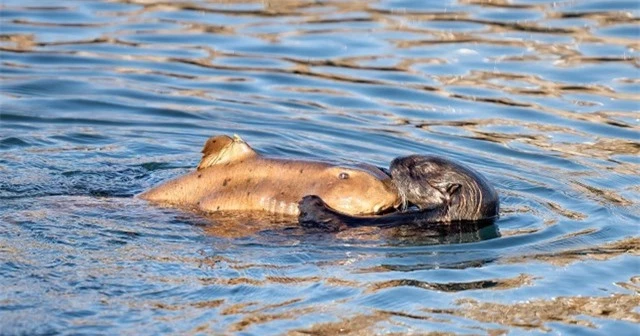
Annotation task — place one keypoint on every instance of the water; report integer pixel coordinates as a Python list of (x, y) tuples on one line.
[(103, 99)]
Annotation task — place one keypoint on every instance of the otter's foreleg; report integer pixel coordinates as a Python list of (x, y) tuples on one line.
[(316, 214)]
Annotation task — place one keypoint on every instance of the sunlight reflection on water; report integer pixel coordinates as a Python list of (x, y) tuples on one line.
[(102, 99)]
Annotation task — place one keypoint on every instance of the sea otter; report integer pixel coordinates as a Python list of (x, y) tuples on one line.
[(231, 176), (446, 193)]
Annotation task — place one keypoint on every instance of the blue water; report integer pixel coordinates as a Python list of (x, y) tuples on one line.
[(102, 99)]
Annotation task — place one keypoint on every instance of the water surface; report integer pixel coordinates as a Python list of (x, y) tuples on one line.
[(103, 99)]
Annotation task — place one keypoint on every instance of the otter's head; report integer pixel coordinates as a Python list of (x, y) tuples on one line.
[(358, 190), (430, 182)]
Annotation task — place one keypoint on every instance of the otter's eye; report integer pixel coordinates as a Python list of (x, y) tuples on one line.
[(343, 176)]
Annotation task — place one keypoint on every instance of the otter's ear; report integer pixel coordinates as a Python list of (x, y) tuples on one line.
[(453, 188), (449, 189)]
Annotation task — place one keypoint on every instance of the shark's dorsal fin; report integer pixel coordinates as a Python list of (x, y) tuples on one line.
[(224, 149)]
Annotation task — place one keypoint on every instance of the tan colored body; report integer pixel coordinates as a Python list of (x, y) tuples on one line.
[(232, 177)]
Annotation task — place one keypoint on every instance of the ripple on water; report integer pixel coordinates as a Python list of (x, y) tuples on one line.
[(100, 100)]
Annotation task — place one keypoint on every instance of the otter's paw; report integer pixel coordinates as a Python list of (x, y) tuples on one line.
[(315, 214)]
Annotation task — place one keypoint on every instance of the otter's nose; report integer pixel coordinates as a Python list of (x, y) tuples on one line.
[(394, 163)]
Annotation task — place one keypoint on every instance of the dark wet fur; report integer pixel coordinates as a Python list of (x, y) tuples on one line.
[(431, 182), (447, 193)]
